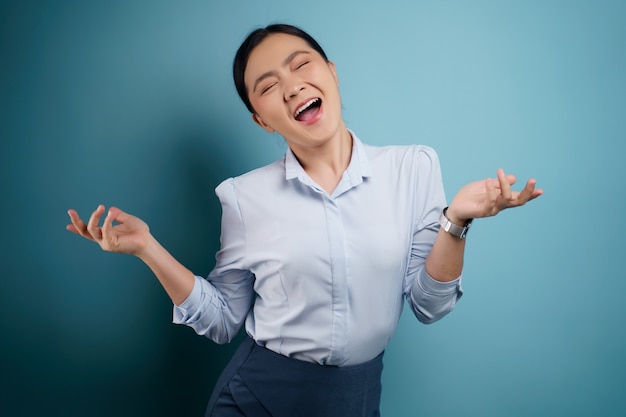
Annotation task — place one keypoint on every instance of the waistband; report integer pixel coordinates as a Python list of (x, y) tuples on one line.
[(284, 386)]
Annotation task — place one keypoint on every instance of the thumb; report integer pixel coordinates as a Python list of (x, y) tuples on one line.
[(117, 215)]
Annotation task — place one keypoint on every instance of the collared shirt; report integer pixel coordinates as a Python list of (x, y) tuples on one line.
[(320, 277)]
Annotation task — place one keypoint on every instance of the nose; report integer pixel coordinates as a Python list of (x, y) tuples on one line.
[(292, 89)]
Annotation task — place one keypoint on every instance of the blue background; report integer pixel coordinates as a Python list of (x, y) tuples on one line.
[(132, 104)]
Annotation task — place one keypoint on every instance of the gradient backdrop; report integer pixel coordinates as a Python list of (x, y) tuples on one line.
[(131, 103)]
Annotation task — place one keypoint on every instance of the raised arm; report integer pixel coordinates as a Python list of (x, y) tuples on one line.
[(482, 198), (124, 233)]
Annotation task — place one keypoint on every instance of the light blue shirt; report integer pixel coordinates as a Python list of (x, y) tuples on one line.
[(320, 277)]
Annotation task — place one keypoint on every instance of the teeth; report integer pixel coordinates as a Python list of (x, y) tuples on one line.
[(305, 106)]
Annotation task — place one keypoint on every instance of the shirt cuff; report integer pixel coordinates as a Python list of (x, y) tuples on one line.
[(191, 303)]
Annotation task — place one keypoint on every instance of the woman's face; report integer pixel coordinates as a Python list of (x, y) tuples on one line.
[(293, 91)]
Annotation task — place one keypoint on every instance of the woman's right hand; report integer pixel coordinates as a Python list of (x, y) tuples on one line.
[(128, 235)]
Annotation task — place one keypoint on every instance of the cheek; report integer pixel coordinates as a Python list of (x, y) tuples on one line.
[(270, 109), (262, 110)]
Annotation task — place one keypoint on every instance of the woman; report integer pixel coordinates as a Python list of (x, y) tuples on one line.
[(318, 249)]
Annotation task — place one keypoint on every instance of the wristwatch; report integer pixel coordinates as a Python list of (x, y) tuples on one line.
[(453, 229)]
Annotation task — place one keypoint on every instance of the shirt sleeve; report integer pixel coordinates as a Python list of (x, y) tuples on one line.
[(429, 299), (218, 305)]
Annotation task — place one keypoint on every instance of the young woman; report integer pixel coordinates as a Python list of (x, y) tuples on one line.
[(319, 249)]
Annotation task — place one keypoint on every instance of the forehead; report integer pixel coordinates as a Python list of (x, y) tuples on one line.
[(271, 52)]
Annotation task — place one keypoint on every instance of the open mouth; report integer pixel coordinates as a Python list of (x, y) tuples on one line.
[(308, 110)]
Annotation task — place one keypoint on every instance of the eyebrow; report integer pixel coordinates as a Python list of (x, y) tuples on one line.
[(285, 62)]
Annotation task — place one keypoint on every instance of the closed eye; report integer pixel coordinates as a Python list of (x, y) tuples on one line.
[(302, 64), (268, 88)]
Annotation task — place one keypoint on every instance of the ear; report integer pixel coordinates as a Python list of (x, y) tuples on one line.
[(257, 119), (333, 69)]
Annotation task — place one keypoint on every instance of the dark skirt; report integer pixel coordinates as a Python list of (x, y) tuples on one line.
[(260, 383)]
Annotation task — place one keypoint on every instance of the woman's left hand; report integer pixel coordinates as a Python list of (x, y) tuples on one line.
[(489, 197)]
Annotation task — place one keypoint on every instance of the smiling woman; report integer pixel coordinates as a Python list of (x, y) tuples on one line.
[(319, 249), (294, 90)]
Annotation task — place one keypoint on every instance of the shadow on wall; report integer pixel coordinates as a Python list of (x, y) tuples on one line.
[(190, 228), (90, 333)]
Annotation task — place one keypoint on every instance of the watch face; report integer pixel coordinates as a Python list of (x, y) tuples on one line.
[(452, 228)]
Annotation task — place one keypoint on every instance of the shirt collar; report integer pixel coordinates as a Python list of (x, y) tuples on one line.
[(358, 168)]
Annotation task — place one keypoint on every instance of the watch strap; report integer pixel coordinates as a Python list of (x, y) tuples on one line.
[(453, 229)]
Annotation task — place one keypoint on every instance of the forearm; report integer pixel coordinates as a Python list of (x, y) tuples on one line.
[(437, 284), (175, 278), (445, 261)]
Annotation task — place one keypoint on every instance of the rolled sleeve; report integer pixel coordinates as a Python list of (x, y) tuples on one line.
[(183, 312), (431, 299)]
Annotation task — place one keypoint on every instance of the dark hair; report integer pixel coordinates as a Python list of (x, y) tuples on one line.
[(252, 41)]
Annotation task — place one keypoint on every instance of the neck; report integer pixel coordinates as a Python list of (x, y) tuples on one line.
[(326, 163)]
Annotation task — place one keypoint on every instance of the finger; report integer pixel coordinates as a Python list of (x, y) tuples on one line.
[(489, 186), (77, 226), (70, 227), (118, 215), (510, 178), (113, 215), (492, 192), (94, 220), (107, 224), (505, 186), (527, 192), (536, 192)]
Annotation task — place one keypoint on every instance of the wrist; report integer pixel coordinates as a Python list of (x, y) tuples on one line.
[(456, 228), (149, 249), (452, 215)]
